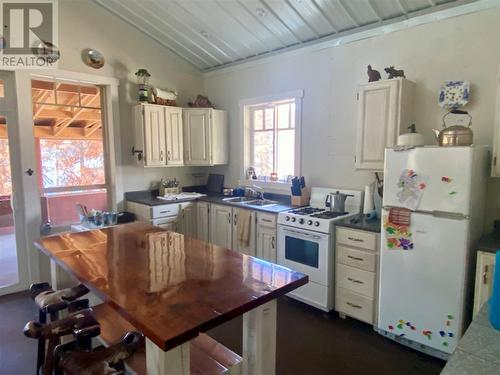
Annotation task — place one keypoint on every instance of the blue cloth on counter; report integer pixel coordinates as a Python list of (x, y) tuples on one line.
[(495, 296)]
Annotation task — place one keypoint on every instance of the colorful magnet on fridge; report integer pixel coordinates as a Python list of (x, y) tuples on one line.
[(450, 317), (450, 334), (448, 323), (442, 333), (422, 186), (445, 343), (400, 326), (452, 193), (446, 179), (391, 327)]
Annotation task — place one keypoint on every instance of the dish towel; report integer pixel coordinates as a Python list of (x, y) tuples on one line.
[(243, 226)]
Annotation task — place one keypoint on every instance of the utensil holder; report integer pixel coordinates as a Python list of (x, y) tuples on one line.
[(303, 199)]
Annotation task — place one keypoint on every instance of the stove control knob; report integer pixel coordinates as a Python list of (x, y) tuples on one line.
[(316, 223), (301, 221), (309, 222), (293, 220), (287, 218)]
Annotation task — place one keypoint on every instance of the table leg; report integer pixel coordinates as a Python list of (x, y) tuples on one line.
[(174, 362), (259, 340), (59, 278)]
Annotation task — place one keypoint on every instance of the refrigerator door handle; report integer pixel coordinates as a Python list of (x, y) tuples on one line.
[(437, 213)]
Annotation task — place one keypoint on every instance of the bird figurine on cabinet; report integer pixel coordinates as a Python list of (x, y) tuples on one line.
[(373, 75)]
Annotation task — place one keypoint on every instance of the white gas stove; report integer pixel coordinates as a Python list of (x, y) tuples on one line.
[(306, 244)]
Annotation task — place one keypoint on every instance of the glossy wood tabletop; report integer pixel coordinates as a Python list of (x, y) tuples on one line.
[(169, 286)]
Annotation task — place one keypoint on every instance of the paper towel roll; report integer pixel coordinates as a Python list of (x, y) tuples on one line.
[(368, 202)]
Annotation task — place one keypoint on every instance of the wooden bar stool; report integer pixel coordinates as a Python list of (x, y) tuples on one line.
[(109, 361), (50, 302), (81, 324)]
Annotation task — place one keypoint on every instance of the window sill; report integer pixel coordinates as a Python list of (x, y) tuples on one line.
[(268, 186)]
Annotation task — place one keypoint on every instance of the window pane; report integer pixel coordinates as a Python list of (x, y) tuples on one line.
[(71, 162), (263, 153), (5, 179), (292, 112), (258, 119), (286, 153), (269, 119), (284, 116)]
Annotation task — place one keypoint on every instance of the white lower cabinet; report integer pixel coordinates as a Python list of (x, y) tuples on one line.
[(356, 274), (202, 221), (187, 219), (485, 266), (266, 237), (221, 230), (244, 231)]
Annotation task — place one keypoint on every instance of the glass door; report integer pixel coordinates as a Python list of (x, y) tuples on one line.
[(69, 151), (13, 251)]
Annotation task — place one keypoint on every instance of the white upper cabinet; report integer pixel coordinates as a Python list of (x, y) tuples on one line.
[(385, 110), (172, 136), (495, 165), (205, 136), (152, 134), (174, 143)]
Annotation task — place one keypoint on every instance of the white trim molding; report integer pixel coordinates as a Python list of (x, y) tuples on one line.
[(245, 126)]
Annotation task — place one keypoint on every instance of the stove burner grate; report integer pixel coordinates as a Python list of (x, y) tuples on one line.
[(329, 215), (306, 210)]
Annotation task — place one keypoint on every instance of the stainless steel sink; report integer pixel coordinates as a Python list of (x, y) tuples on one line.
[(238, 199), (261, 203)]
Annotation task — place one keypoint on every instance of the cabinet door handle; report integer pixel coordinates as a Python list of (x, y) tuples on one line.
[(355, 258), (355, 239), (355, 280), (354, 305), (267, 220), (161, 155), (229, 217), (168, 155), (235, 220), (273, 242), (485, 274)]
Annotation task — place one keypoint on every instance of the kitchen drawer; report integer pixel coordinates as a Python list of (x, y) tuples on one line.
[(268, 220), (354, 305), (165, 210), (359, 281), (356, 258), (357, 238)]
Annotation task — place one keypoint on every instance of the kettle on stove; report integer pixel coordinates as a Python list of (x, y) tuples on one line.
[(336, 201)]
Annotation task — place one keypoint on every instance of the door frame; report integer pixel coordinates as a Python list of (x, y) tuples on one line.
[(8, 107), (38, 264)]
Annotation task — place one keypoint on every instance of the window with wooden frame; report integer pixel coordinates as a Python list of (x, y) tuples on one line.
[(273, 139)]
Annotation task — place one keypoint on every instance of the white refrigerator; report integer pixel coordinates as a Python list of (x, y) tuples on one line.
[(425, 264)]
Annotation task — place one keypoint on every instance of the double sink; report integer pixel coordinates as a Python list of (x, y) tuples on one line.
[(251, 201)]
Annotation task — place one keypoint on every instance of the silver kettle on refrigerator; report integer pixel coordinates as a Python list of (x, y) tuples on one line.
[(336, 201)]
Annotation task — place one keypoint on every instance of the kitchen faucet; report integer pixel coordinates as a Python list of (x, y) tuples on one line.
[(255, 191)]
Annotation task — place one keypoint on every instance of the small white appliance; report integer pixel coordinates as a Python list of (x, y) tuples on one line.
[(306, 244), (423, 292)]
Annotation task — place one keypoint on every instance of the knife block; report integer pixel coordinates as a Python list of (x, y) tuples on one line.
[(303, 199)]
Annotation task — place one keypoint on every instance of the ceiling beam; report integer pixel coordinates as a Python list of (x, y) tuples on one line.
[(60, 127), (88, 131), (68, 133)]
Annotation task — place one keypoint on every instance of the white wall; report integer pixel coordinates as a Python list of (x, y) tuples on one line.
[(84, 24), (466, 47)]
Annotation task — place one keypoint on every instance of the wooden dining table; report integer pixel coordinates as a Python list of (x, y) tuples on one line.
[(174, 288)]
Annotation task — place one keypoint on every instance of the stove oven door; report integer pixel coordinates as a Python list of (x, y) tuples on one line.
[(305, 251)]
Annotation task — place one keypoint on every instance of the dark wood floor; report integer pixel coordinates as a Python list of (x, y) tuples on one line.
[(309, 342)]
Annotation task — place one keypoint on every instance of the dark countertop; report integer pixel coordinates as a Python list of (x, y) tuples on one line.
[(149, 198), (362, 223), (489, 242)]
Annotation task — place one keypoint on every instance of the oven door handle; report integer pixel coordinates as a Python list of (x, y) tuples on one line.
[(315, 236)]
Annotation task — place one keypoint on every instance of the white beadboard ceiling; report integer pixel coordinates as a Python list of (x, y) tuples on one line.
[(215, 33)]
